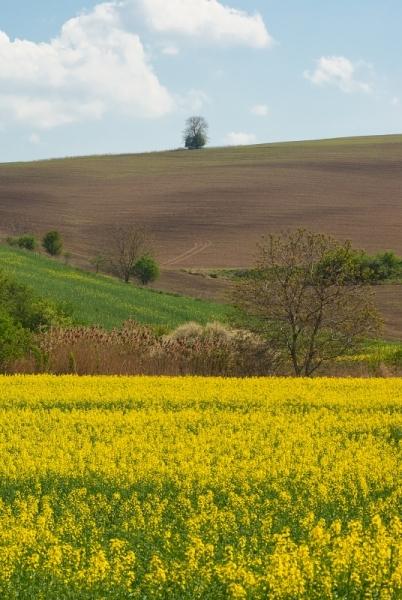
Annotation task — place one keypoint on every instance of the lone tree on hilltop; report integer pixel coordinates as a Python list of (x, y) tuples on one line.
[(305, 298), (195, 133), (127, 245)]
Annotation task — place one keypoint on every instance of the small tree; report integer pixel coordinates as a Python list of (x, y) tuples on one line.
[(195, 133), (305, 297), (146, 269), (52, 243), (98, 262), (128, 244)]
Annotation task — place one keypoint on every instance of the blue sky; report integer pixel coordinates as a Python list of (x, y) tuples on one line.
[(85, 77)]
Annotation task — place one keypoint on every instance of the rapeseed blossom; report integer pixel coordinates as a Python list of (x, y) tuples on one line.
[(189, 488)]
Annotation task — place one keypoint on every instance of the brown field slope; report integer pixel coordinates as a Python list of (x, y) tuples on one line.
[(209, 208)]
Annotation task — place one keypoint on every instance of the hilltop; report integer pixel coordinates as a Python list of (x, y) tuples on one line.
[(208, 208)]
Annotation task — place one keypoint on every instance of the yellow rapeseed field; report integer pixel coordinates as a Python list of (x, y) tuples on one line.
[(192, 488)]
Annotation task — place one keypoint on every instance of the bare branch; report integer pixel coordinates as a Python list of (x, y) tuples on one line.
[(128, 244), (305, 297)]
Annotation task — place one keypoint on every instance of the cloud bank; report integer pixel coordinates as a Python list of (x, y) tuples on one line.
[(339, 72), (98, 66), (208, 20), (93, 67)]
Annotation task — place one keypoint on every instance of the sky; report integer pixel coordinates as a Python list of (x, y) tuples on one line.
[(83, 77)]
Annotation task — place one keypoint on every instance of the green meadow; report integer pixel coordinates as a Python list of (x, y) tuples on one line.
[(102, 300)]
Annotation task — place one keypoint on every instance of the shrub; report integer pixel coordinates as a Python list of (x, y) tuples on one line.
[(146, 269), (187, 333), (14, 339), (217, 350), (52, 243), (28, 309), (138, 350), (22, 314), (26, 242), (383, 266)]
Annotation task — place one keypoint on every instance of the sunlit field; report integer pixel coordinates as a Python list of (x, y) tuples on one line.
[(100, 300), (187, 488)]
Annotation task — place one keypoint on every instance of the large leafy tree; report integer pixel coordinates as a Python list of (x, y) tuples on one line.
[(305, 297)]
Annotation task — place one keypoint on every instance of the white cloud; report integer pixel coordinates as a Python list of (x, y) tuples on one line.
[(170, 50), (395, 101), (340, 72), (207, 19), (240, 138), (93, 67), (260, 110)]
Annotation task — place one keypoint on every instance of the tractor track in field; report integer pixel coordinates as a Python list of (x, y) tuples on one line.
[(196, 249)]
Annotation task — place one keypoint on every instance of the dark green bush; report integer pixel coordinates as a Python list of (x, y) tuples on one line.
[(146, 269), (52, 243), (15, 341), (26, 242), (26, 308)]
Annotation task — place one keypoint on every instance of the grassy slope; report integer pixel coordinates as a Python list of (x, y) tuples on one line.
[(102, 300)]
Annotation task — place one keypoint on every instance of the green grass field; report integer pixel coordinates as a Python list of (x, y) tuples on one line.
[(102, 300)]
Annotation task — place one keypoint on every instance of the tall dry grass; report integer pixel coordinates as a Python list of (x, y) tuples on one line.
[(191, 349), (134, 349)]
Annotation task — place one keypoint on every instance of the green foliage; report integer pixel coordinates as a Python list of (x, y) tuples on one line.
[(52, 243), (22, 313), (306, 298), (195, 133), (101, 300), (146, 269), (361, 267), (14, 339), (355, 267), (195, 142), (381, 267), (26, 242), (26, 308)]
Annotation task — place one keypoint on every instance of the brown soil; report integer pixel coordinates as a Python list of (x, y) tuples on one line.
[(210, 208), (388, 297)]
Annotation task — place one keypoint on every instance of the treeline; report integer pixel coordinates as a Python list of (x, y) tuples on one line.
[(378, 268)]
